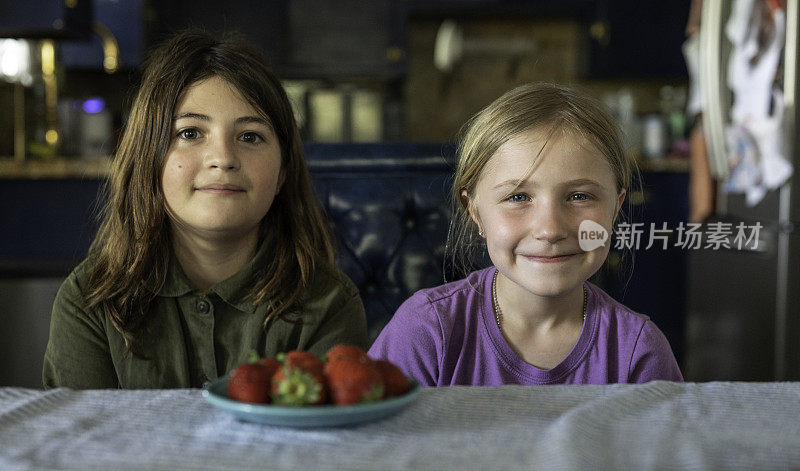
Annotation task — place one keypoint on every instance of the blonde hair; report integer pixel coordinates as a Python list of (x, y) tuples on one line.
[(132, 249), (530, 106)]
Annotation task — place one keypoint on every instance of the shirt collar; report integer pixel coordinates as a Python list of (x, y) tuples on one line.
[(234, 290), (175, 283)]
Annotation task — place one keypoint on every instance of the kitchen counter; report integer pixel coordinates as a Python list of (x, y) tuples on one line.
[(56, 168)]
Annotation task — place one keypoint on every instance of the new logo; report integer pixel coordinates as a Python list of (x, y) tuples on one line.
[(591, 235)]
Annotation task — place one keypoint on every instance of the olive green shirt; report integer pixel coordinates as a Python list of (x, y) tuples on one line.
[(194, 336)]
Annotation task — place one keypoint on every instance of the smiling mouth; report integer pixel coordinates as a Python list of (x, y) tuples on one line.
[(549, 258)]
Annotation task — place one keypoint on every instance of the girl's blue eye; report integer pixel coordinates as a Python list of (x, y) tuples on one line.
[(251, 137), (518, 198), (189, 134), (579, 197)]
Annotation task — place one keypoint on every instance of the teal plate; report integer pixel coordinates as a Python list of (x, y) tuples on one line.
[(216, 392)]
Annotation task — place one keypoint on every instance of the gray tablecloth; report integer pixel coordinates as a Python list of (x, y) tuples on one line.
[(654, 426)]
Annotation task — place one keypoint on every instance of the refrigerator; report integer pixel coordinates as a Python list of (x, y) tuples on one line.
[(743, 317)]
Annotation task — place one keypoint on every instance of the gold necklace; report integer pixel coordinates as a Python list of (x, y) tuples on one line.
[(498, 313)]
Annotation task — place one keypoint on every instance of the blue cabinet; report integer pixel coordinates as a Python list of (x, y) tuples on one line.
[(653, 281), (627, 39), (36, 19), (389, 207), (121, 19), (309, 39)]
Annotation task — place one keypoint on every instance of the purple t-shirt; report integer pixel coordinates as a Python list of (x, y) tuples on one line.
[(448, 336)]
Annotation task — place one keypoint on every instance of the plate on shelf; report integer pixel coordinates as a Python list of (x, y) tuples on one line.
[(216, 392)]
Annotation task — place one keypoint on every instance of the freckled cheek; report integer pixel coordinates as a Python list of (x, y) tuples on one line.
[(606, 219), (600, 216), (504, 231)]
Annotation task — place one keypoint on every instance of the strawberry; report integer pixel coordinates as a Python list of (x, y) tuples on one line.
[(351, 381), (302, 359), (299, 381), (394, 381), (270, 363), (250, 382), (344, 350)]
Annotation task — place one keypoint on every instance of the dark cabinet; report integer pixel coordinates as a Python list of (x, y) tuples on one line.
[(622, 39), (261, 21), (45, 19), (347, 38), (497, 8), (651, 279), (117, 31), (635, 39), (309, 39)]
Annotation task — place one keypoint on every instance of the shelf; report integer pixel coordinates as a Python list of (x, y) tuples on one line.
[(56, 168), (98, 168)]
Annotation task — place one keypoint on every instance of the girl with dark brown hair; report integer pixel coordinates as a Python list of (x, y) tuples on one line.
[(212, 242)]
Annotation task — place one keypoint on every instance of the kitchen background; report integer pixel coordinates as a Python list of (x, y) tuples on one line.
[(358, 71)]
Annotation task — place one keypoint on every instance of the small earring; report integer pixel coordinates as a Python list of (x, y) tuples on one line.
[(480, 232)]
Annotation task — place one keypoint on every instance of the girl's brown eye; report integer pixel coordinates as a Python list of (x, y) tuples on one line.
[(188, 134), (252, 138)]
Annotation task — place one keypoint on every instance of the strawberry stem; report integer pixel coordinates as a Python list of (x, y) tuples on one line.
[(297, 388), (253, 356)]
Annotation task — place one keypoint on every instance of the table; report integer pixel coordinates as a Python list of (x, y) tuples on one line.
[(659, 425)]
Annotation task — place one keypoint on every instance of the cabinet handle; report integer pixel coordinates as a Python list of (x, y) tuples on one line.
[(395, 54), (601, 32), (110, 47)]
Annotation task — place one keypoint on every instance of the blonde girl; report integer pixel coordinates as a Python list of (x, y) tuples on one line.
[(541, 176)]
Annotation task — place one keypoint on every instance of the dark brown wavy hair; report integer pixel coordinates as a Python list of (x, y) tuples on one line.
[(132, 248)]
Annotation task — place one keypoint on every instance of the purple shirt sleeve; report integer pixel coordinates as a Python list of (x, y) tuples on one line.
[(652, 358), (412, 340)]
